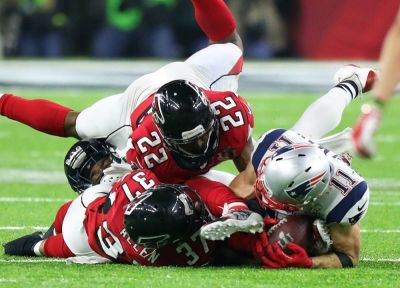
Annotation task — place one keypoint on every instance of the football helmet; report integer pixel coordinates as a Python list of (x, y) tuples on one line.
[(80, 160), (164, 214), (187, 122), (293, 177)]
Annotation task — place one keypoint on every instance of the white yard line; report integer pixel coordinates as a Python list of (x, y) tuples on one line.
[(381, 259), (2, 280), (32, 199), (31, 260), (41, 228), (31, 176)]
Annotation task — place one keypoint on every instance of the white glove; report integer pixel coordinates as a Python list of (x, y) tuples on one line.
[(114, 173)]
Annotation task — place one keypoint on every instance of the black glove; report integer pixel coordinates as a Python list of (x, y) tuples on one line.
[(23, 246)]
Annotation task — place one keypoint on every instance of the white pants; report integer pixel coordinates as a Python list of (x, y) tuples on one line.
[(210, 68), (73, 229)]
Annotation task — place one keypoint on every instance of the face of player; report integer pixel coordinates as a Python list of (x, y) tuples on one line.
[(97, 171), (199, 146)]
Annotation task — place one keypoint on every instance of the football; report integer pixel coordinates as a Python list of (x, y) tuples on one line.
[(296, 229)]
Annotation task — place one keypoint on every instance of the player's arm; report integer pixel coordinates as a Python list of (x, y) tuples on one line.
[(243, 160), (345, 252), (243, 184), (216, 21), (389, 64), (346, 248)]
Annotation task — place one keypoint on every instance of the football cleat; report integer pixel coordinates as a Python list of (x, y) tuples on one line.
[(238, 221), (364, 78), (24, 245), (364, 130)]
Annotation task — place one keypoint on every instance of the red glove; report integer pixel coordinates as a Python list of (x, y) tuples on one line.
[(297, 257), (272, 255)]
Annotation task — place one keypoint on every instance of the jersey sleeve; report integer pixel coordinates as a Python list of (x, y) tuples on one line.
[(216, 195), (353, 207), (263, 146)]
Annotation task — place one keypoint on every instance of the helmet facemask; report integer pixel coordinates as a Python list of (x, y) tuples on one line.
[(80, 160)]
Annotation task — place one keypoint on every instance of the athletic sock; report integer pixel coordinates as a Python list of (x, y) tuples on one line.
[(214, 18), (351, 87), (325, 114), (42, 115)]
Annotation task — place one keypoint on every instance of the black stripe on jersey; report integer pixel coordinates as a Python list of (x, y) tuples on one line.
[(263, 146), (341, 209)]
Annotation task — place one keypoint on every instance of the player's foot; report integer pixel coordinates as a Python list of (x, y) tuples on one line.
[(23, 246), (363, 132), (363, 78), (237, 221)]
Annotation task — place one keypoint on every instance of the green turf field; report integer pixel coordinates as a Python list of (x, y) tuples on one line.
[(32, 189)]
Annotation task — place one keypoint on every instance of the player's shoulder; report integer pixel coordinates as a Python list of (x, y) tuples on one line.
[(227, 100), (272, 140), (349, 194)]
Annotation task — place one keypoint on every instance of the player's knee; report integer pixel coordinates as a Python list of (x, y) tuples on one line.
[(70, 124)]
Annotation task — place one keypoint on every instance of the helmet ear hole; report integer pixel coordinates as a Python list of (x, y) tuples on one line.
[(308, 169)]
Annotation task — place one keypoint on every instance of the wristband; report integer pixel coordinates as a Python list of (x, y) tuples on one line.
[(344, 259)]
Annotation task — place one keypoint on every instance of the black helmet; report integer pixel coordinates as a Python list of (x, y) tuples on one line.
[(80, 159), (187, 122), (164, 214)]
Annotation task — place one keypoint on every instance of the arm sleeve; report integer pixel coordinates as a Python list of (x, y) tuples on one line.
[(215, 195)]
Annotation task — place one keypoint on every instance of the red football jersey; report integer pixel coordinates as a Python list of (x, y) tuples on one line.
[(235, 123), (108, 237)]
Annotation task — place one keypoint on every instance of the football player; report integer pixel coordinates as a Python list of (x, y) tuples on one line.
[(179, 121), (382, 93), (289, 174), (138, 221)]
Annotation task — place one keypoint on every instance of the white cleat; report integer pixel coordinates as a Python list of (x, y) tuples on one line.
[(364, 131), (238, 221), (364, 78)]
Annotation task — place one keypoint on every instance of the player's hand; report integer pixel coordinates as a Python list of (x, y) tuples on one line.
[(261, 248), (114, 173), (275, 257), (269, 222)]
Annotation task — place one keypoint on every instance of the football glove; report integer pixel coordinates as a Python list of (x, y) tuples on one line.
[(24, 245), (275, 257), (272, 255), (114, 173)]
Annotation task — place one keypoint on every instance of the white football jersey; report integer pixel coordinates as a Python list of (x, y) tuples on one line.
[(346, 198)]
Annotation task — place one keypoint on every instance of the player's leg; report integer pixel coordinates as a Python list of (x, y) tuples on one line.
[(326, 113), (216, 21), (43, 115), (107, 118), (218, 65)]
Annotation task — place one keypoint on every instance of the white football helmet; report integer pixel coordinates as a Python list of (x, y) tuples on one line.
[(292, 177)]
